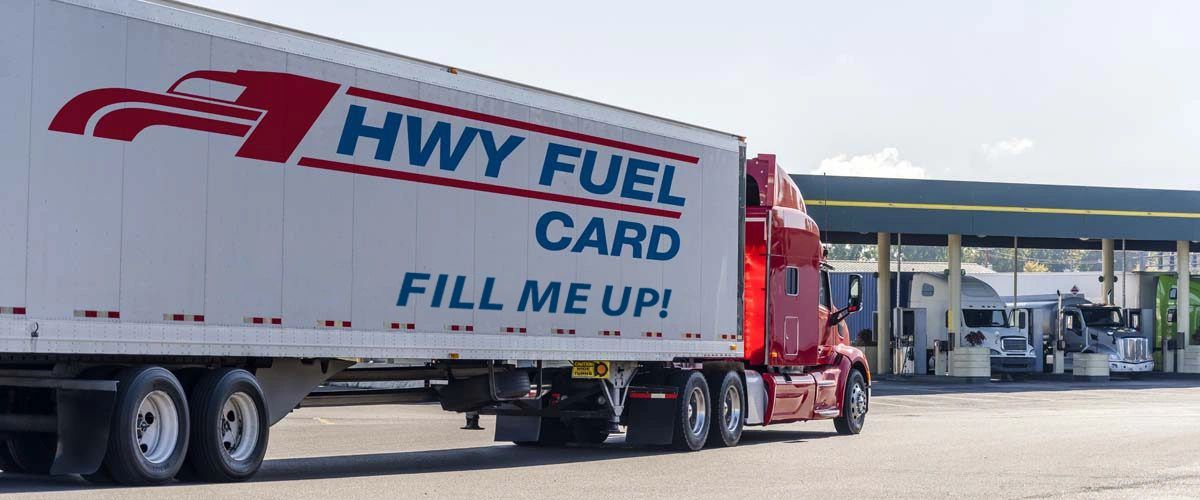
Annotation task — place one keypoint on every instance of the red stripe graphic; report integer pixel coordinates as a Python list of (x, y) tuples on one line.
[(518, 124), (351, 168)]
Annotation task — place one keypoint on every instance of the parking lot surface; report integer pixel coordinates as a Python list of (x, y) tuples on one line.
[(1034, 439)]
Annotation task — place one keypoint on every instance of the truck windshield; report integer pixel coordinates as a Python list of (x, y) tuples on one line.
[(1101, 316), (976, 318)]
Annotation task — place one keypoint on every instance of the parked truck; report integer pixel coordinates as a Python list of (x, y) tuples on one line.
[(983, 321), (1072, 324), (207, 218)]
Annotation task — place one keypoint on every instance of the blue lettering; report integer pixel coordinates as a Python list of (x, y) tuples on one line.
[(543, 224), (439, 289), (593, 237), (657, 234), (496, 156), (548, 299), (456, 301), (633, 179), (485, 299), (606, 305), (575, 294), (664, 191), (551, 164), (624, 238), (646, 297), (408, 287), (354, 129), (586, 174), (439, 138)]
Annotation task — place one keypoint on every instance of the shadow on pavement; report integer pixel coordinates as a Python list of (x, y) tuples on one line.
[(496, 457), (931, 385)]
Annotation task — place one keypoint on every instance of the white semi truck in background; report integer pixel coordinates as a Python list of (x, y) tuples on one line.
[(1072, 324), (206, 217), (984, 321)]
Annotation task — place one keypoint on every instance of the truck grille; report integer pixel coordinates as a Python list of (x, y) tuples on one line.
[(1013, 344), (1134, 349)]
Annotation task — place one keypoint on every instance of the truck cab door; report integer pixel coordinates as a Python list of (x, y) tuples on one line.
[(1073, 331)]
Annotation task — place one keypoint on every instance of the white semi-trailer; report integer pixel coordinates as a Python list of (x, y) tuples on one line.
[(206, 217)]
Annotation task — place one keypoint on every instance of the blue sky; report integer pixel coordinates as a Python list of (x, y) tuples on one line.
[(1070, 92)]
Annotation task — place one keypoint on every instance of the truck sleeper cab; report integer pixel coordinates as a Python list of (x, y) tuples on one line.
[(795, 339), (983, 313), (1096, 328), (1086, 327)]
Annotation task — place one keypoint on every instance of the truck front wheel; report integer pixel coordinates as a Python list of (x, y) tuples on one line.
[(230, 427), (854, 405), (692, 412), (728, 405)]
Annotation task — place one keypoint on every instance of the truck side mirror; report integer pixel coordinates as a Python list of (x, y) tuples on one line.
[(1171, 315), (1135, 321), (854, 301)]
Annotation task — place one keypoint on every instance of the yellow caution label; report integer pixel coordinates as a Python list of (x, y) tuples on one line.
[(590, 369)]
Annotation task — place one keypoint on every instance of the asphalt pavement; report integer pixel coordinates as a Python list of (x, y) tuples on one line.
[(1038, 439)]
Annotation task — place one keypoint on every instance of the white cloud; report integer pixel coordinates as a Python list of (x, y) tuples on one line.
[(886, 163), (1012, 146)]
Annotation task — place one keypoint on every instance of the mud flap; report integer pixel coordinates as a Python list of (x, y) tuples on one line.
[(514, 428), (83, 423), (651, 414)]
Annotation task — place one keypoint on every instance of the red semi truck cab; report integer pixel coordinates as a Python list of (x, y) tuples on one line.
[(794, 335)]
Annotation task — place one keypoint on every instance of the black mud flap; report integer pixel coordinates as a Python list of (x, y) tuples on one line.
[(651, 411), (516, 428), (83, 423)]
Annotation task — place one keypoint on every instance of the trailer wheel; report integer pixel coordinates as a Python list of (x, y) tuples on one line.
[(150, 424), (231, 427), (692, 412), (854, 405), (32, 452), (729, 404)]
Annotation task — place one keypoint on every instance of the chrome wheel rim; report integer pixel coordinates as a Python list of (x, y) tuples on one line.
[(156, 427), (858, 403), (731, 412), (239, 426), (697, 411)]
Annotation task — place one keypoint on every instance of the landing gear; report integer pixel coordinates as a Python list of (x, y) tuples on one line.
[(231, 427), (148, 438), (854, 405), (693, 411)]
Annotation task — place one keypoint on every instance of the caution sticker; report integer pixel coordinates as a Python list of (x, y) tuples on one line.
[(589, 369)]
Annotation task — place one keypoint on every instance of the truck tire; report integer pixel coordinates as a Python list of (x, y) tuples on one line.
[(150, 426), (230, 427), (729, 405), (32, 452), (692, 411), (854, 405)]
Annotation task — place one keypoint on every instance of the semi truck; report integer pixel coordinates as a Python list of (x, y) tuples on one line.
[(1070, 324), (984, 321), (207, 219), (1166, 313)]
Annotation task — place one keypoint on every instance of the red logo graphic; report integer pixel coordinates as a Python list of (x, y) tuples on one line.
[(280, 106)]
